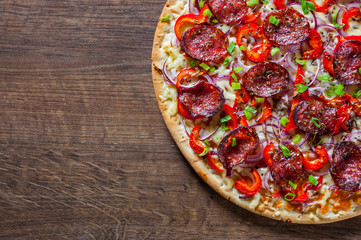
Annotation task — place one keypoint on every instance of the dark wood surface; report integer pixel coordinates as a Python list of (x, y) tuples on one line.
[(84, 152)]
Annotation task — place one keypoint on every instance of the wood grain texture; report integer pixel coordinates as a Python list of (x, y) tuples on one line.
[(84, 152)]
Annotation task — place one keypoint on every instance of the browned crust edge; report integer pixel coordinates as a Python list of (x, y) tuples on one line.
[(180, 137)]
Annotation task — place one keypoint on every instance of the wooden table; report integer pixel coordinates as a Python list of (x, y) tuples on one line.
[(84, 152)]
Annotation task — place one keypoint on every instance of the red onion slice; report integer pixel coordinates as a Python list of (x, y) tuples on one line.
[(192, 9), (166, 76), (209, 135)]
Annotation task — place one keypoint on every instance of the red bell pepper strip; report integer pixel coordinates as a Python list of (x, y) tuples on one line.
[(318, 163), (212, 164), (300, 76), (250, 190), (184, 75), (183, 111), (280, 4), (189, 20), (344, 39), (349, 14), (251, 18), (315, 42), (267, 153), (302, 192), (228, 110), (328, 62), (353, 101), (244, 122), (343, 115), (199, 147), (326, 5), (258, 52), (266, 113), (242, 96), (194, 141)]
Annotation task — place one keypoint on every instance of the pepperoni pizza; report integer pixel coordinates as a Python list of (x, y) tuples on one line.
[(262, 98)]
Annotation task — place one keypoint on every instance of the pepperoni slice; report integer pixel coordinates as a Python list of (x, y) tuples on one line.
[(292, 28), (246, 140), (347, 61), (205, 43), (285, 169), (201, 100), (346, 166), (314, 116), (228, 11), (266, 79)]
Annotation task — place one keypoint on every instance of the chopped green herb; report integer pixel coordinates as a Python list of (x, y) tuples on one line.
[(207, 143), (208, 13), (231, 47), (307, 6), (259, 99), (165, 18), (252, 3), (286, 152), (236, 70), (205, 66), (301, 62), (324, 78), (236, 86), (213, 68), (301, 88), (316, 121), (296, 138), (250, 109), (225, 119), (275, 50), (224, 127), (311, 6), (284, 121), (214, 21), (242, 48), (334, 21), (313, 180), (339, 89), (226, 61), (289, 197), (265, 1), (274, 20), (360, 6), (331, 91), (234, 77), (234, 142), (205, 151), (319, 142), (201, 3), (248, 115), (357, 93), (359, 70), (294, 186), (192, 63)]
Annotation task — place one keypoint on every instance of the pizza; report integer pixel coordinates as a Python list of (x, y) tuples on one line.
[(262, 98)]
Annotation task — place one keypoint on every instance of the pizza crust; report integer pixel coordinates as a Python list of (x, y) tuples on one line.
[(180, 137)]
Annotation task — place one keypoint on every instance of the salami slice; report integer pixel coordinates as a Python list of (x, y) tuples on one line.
[(346, 166), (347, 61), (314, 116), (228, 11), (292, 28), (231, 155), (205, 43), (201, 100), (285, 169), (266, 79)]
